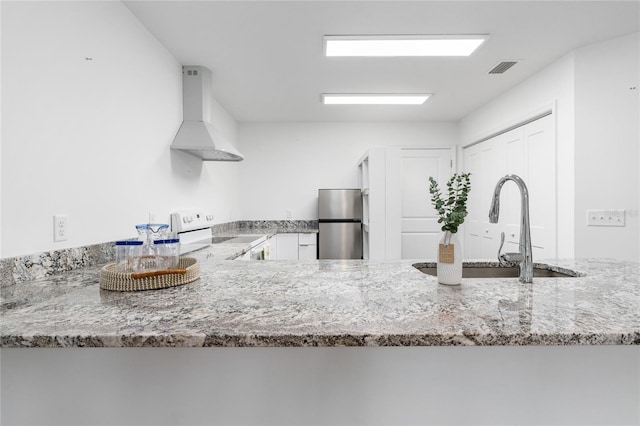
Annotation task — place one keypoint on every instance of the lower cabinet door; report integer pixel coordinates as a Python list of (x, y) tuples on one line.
[(307, 251), (287, 246)]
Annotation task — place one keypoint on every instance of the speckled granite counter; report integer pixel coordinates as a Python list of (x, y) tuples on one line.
[(228, 250), (39, 265), (327, 303)]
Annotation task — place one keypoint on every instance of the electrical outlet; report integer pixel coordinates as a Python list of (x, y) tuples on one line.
[(605, 217), (60, 227)]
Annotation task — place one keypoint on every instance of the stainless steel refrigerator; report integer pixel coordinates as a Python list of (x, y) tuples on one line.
[(340, 224)]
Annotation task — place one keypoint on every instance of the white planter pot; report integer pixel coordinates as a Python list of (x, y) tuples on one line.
[(449, 259)]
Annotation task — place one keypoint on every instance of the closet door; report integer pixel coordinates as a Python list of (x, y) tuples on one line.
[(487, 163), (529, 152), (541, 180)]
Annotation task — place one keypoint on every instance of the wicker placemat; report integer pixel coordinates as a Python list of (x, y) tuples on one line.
[(188, 271)]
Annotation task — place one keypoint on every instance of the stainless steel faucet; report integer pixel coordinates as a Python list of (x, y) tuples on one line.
[(524, 258)]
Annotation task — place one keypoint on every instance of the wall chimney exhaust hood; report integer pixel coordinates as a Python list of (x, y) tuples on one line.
[(197, 135)]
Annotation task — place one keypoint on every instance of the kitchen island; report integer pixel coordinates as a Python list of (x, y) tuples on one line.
[(327, 303), (558, 351)]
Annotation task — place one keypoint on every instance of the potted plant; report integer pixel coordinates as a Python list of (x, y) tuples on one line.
[(451, 213)]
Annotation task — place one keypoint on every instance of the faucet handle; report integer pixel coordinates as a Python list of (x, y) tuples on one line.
[(501, 243), (508, 259)]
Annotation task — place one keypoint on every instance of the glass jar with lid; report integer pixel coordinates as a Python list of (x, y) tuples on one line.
[(167, 253), (128, 255)]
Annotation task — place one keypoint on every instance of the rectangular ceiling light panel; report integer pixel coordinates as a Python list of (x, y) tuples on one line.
[(361, 99), (413, 45)]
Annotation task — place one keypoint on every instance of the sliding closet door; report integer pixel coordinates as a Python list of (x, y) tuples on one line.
[(487, 163), (540, 143), (529, 152)]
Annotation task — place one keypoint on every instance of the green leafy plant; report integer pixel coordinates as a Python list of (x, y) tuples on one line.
[(453, 209)]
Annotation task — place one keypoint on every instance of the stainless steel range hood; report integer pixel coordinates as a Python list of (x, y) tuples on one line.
[(196, 135)]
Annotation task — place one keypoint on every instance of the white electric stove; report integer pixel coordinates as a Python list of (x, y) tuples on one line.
[(193, 228)]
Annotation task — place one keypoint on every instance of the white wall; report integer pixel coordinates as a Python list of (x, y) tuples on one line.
[(553, 86), (499, 385), (607, 143), (286, 163), (90, 138), (597, 137), (1, 97)]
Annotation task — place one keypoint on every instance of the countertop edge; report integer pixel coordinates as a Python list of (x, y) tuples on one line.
[(343, 340)]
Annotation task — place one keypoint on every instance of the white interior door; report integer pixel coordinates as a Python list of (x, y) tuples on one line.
[(541, 150), (529, 152), (417, 230), (487, 163)]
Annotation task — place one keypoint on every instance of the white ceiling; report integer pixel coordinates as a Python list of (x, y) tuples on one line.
[(268, 64)]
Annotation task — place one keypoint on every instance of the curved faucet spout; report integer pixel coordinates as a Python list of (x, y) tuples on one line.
[(526, 265), (494, 210)]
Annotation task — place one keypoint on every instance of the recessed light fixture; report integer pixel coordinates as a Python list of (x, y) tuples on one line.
[(403, 45), (370, 99)]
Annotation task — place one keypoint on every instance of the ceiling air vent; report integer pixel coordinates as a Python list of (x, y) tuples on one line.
[(502, 67)]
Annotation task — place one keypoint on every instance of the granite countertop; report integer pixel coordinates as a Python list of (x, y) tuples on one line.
[(229, 250), (326, 303)]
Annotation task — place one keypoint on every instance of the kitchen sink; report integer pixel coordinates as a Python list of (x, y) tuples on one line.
[(499, 272), (244, 239), (217, 240)]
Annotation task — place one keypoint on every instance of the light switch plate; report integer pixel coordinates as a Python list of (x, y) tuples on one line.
[(605, 217)]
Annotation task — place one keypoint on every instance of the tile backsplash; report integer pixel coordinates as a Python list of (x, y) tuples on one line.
[(39, 265)]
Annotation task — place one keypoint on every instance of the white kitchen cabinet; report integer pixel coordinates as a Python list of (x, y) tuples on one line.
[(296, 246), (287, 246), (307, 246), (308, 252)]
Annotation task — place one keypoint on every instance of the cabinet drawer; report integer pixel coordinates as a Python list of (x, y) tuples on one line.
[(307, 238), (307, 252)]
